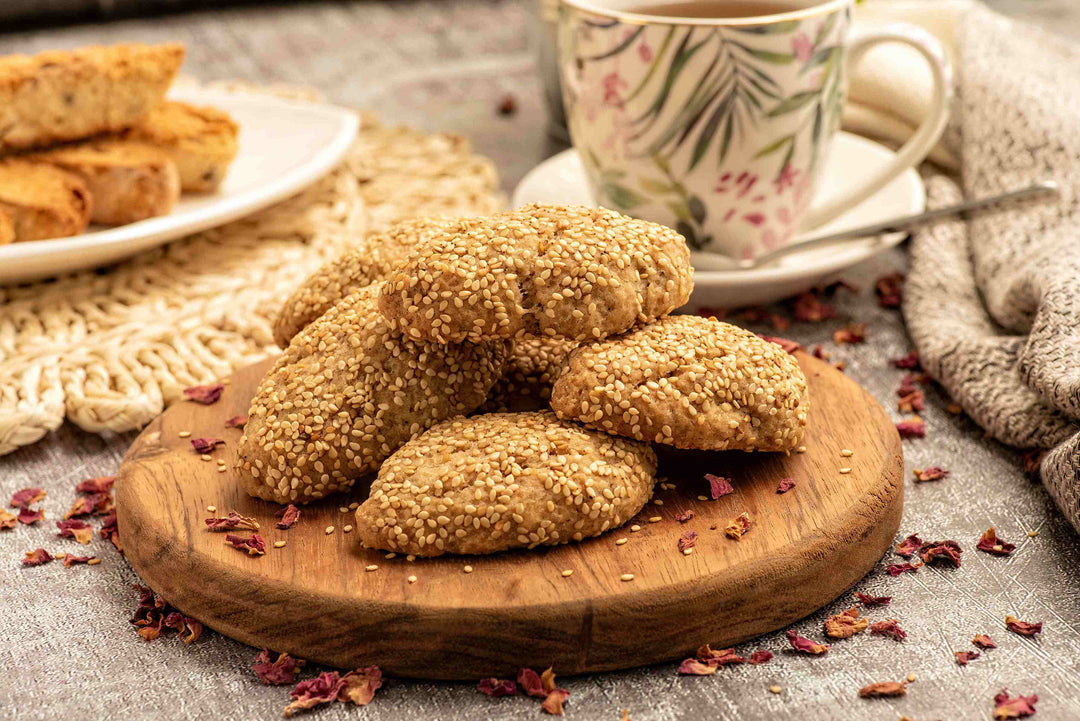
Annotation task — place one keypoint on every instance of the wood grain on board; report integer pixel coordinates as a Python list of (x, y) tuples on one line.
[(314, 599)]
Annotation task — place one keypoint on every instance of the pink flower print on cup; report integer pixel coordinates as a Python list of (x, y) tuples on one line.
[(756, 219), (784, 216), (786, 179), (802, 48), (769, 239), (613, 87), (644, 52)]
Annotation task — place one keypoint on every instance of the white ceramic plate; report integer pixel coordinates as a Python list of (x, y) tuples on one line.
[(561, 179), (284, 147)]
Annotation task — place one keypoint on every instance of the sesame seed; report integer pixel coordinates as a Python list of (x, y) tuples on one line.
[(343, 509), (468, 569), (1032, 534), (371, 567), (626, 577), (184, 434), (687, 551), (775, 689), (411, 579), (353, 506), (845, 470), (635, 528), (347, 528), (205, 457), (801, 449), (410, 558), (703, 498), (846, 453), (93, 562), (654, 519), (911, 677), (329, 530), (279, 544), (621, 541), (658, 502), (567, 573), (211, 509), (222, 469)]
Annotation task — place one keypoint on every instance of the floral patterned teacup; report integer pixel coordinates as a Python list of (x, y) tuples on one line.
[(719, 127)]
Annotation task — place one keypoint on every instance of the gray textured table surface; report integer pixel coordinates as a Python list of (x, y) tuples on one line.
[(69, 652)]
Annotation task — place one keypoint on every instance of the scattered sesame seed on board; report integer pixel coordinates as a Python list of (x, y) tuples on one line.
[(655, 519), (658, 502), (468, 569), (621, 541), (354, 505), (911, 677), (205, 457), (626, 577), (1032, 534), (845, 471), (279, 544), (184, 434), (635, 528), (222, 469), (211, 509), (775, 689), (567, 573), (343, 509), (846, 453), (687, 551), (410, 558), (347, 528), (411, 579), (801, 449), (390, 555), (329, 530), (93, 562), (703, 498), (371, 567)]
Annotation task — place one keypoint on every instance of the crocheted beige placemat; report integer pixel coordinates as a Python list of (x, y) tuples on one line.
[(108, 350)]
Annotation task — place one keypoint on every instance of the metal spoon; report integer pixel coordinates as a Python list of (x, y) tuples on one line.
[(1044, 190)]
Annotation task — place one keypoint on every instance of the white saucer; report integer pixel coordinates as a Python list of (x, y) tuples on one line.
[(561, 179), (285, 146)]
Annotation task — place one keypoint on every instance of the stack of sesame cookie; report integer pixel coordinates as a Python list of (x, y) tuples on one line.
[(392, 347)]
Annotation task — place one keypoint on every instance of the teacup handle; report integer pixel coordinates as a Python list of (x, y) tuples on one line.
[(922, 141)]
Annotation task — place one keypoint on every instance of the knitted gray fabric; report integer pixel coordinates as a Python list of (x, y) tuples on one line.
[(993, 305)]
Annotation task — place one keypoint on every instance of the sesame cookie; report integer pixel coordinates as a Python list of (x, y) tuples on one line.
[(544, 270), (529, 374), (504, 480), (347, 393), (689, 382), (369, 261)]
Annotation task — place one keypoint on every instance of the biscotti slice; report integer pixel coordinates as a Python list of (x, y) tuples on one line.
[(63, 95), (200, 140), (504, 480), (7, 228), (43, 201), (128, 181)]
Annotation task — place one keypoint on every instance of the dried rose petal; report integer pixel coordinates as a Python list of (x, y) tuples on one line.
[(289, 516), (109, 530), (911, 402), (70, 560), (819, 352), (687, 540), (279, 672), (101, 484), (193, 628), (853, 333), (721, 657), (693, 667), (983, 641), (868, 600), (760, 656), (846, 624), (908, 362), (684, 516), (890, 628), (95, 503), (231, 521), (26, 496), (954, 409), (1014, 707), (358, 687), (964, 657), (890, 290), (255, 545), (1022, 628), (809, 308), (758, 314), (739, 527), (933, 473), (204, 394), (786, 343), (837, 285), (81, 531), (547, 680), (322, 689), (37, 557), (883, 689), (29, 516), (206, 445), (948, 552), (785, 485), (553, 704), (990, 543), (895, 569), (7, 520), (236, 422), (530, 683), (1032, 460), (805, 645), (909, 546), (496, 687), (911, 428), (718, 486)]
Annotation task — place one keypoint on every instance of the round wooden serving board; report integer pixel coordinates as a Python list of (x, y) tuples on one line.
[(314, 599)]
